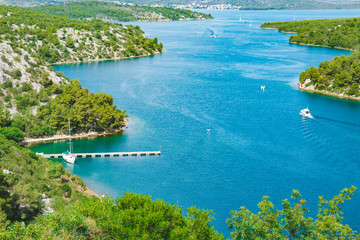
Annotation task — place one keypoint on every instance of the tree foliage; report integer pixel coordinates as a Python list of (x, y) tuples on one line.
[(87, 111), (12, 133), (340, 75), (136, 216), (291, 221)]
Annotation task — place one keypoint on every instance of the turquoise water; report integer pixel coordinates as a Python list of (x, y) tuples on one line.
[(258, 143)]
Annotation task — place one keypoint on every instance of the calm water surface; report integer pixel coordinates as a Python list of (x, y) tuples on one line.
[(258, 144)]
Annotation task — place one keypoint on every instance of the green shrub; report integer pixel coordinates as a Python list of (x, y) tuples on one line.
[(56, 170), (67, 190), (12, 133)]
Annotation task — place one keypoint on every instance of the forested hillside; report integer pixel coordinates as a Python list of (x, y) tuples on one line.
[(119, 12), (37, 101)]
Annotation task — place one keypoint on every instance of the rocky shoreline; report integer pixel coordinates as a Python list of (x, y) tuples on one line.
[(62, 137), (313, 45), (103, 59), (323, 92)]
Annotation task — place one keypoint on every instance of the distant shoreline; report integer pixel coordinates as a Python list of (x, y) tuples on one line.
[(326, 93), (277, 30), (103, 59)]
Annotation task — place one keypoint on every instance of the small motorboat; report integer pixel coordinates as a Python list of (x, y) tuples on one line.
[(262, 87), (306, 113), (213, 36)]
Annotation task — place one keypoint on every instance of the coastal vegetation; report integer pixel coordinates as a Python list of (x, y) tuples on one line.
[(339, 77), (118, 12), (334, 33)]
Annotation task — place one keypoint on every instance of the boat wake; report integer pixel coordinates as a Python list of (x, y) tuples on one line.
[(336, 121), (327, 136)]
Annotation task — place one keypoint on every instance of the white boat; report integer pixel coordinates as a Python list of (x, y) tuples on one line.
[(250, 23), (262, 87), (213, 36), (306, 113), (68, 156)]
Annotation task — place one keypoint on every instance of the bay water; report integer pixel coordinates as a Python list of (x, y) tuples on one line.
[(225, 143)]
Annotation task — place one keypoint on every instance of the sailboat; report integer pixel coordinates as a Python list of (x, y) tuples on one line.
[(250, 23), (68, 157)]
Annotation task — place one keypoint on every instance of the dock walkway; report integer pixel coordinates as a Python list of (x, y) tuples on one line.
[(106, 154)]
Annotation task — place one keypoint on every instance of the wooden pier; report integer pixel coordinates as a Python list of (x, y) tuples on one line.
[(107, 154)]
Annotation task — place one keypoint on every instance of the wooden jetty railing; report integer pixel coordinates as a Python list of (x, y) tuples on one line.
[(107, 154)]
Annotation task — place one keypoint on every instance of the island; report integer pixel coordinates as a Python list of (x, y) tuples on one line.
[(339, 77)]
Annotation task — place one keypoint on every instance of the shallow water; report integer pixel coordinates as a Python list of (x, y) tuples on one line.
[(257, 145)]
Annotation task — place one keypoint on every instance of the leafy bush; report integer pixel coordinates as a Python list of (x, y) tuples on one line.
[(56, 170), (66, 189), (12, 133)]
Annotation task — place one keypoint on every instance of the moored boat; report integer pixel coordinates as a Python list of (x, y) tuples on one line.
[(68, 156)]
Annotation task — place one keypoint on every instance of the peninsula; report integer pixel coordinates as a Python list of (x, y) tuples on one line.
[(339, 77), (35, 101)]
